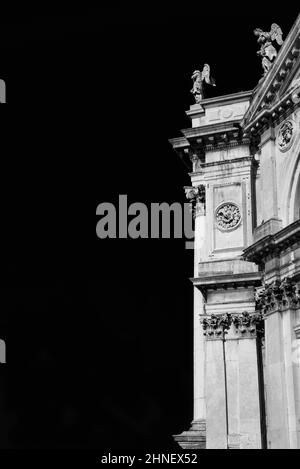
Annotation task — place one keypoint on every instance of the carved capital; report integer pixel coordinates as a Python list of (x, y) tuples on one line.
[(248, 324), (277, 296), (216, 326)]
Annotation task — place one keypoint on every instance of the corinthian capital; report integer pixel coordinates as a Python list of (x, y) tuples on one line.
[(278, 295), (249, 324), (216, 326)]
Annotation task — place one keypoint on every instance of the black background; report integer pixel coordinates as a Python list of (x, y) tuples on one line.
[(99, 332)]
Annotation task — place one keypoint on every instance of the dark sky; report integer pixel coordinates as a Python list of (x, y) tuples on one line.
[(99, 332)]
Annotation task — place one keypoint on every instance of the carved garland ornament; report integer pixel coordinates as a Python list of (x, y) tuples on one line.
[(228, 216), (286, 135)]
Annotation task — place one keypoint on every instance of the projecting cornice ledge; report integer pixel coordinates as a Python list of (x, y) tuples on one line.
[(273, 243), (225, 281)]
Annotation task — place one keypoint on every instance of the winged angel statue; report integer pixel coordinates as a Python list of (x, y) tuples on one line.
[(198, 79), (267, 50)]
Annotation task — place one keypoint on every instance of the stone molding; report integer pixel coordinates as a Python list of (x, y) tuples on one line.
[(297, 331), (277, 296), (195, 142), (216, 136), (272, 116), (209, 281), (194, 438), (273, 244)]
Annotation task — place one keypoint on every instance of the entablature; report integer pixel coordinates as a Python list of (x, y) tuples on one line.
[(225, 281), (273, 244)]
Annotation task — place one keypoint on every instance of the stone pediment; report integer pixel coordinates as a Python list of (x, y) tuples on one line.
[(278, 89)]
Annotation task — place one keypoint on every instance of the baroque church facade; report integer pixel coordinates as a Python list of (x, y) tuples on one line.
[(243, 151)]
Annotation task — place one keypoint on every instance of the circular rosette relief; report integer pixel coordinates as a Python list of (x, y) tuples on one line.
[(286, 134), (228, 216)]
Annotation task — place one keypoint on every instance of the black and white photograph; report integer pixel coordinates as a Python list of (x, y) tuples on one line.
[(169, 324)]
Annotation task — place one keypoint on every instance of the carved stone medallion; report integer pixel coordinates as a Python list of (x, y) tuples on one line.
[(228, 216), (286, 135)]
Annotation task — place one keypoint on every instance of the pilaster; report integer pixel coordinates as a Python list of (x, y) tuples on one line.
[(279, 302), (232, 381)]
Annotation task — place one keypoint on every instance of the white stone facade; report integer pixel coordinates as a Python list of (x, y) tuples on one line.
[(244, 151)]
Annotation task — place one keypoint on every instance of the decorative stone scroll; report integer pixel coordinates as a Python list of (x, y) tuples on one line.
[(277, 296), (286, 135), (228, 216), (195, 195)]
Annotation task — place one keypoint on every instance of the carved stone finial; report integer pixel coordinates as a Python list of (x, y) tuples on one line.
[(198, 79), (267, 50)]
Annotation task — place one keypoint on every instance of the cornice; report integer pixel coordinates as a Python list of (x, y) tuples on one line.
[(216, 137), (183, 150), (271, 115), (273, 243), (216, 282), (227, 98), (179, 142), (244, 159), (195, 142)]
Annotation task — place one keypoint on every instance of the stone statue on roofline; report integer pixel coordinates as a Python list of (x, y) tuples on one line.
[(198, 79), (267, 50)]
